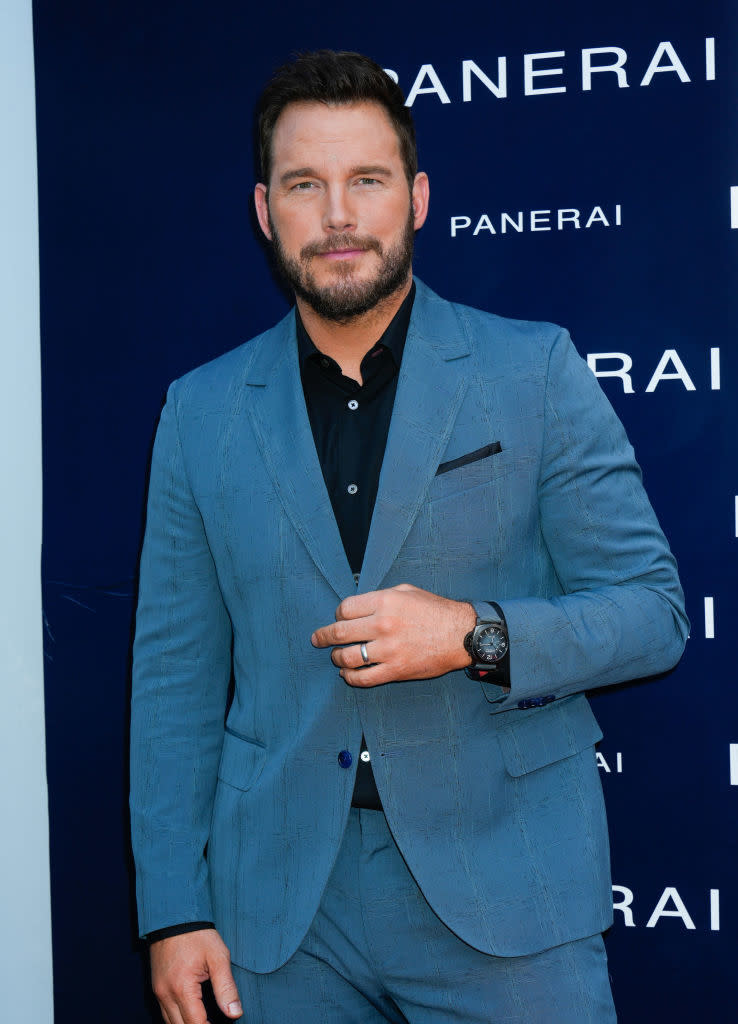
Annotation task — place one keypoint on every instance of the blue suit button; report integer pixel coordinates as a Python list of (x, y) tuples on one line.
[(345, 759), (535, 702)]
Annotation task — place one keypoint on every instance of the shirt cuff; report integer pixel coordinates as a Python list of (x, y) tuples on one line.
[(177, 929)]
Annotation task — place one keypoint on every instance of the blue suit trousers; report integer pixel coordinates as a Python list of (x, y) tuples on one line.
[(377, 952)]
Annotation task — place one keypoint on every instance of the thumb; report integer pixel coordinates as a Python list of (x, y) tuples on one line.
[(224, 989)]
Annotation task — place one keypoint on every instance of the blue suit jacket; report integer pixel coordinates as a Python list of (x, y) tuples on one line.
[(494, 800)]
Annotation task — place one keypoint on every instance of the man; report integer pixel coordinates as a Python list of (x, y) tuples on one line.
[(399, 815)]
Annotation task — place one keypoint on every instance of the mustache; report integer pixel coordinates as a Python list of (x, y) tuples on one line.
[(342, 241)]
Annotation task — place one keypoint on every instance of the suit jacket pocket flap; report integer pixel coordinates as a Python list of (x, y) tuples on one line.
[(547, 735), (241, 761)]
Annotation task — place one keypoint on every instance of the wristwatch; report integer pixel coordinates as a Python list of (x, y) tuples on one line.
[(488, 646)]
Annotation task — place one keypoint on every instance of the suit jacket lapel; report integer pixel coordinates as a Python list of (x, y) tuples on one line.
[(429, 393), (282, 428)]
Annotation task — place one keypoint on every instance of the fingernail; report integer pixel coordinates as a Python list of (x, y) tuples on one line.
[(312, 639), (235, 1009)]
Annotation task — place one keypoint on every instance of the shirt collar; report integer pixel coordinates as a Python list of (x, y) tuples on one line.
[(393, 337)]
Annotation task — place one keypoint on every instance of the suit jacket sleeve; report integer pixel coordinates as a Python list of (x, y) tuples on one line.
[(621, 612), (181, 672)]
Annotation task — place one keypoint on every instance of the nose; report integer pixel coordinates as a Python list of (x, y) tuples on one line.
[(339, 213)]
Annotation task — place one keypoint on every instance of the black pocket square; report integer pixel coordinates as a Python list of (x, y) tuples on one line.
[(463, 460)]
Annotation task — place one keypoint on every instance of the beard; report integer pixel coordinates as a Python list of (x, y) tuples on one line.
[(344, 298)]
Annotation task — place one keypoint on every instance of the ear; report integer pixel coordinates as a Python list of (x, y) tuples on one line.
[(261, 202), (420, 198)]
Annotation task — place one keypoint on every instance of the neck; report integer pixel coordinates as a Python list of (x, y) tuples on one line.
[(348, 342)]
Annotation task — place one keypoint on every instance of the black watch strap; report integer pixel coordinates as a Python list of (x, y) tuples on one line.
[(497, 672)]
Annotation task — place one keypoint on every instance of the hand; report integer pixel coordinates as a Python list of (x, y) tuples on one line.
[(408, 633), (179, 966)]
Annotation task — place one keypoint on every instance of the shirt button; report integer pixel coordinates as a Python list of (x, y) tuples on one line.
[(352, 488), (353, 404), (345, 759), (325, 363), (366, 756)]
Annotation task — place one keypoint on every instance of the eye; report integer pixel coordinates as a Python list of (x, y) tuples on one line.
[(368, 181), (303, 186)]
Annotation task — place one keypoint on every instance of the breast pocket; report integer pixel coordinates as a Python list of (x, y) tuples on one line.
[(486, 465), (477, 455)]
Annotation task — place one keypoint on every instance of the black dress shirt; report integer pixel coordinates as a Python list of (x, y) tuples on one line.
[(350, 423)]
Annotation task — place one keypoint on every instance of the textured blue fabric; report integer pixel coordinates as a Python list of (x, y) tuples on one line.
[(497, 809), (376, 952)]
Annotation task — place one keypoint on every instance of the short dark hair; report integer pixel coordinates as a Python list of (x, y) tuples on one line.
[(334, 78)]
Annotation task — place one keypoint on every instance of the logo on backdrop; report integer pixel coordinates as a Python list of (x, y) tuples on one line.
[(702, 915), (567, 218), (670, 367), (610, 765), (540, 74)]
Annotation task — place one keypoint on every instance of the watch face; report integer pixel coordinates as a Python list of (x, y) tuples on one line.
[(490, 645)]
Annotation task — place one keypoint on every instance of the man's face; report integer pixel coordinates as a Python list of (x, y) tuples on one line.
[(338, 208)]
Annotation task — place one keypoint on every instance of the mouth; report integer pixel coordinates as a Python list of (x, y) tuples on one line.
[(334, 255), (345, 249)]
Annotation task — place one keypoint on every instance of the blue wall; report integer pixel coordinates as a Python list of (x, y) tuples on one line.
[(151, 264)]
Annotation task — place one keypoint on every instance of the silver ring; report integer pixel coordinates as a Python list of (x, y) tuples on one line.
[(364, 655)]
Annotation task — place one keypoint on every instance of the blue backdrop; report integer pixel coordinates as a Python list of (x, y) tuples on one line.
[(584, 169)]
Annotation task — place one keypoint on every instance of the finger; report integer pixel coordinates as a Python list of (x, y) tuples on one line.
[(192, 1010), (373, 675), (358, 606), (169, 1006), (323, 637), (351, 631), (188, 1011), (170, 1013), (224, 989), (184, 1005), (352, 657)]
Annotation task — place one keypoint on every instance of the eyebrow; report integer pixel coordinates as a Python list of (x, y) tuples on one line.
[(365, 170), (299, 172)]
